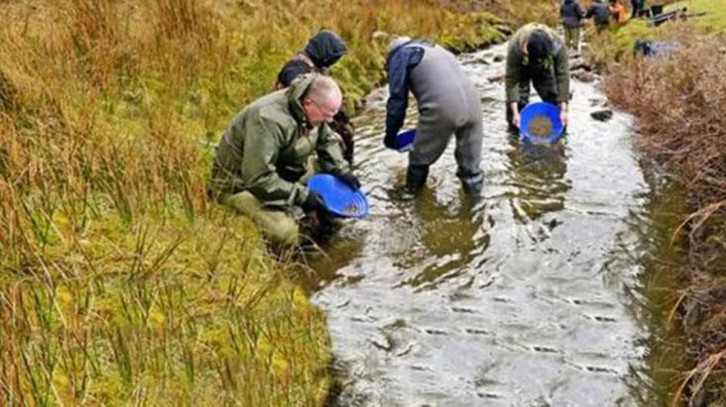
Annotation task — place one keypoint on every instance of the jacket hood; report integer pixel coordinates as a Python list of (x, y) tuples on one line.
[(325, 48)]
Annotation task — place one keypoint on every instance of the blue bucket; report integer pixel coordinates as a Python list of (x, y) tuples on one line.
[(539, 109), (340, 199), (404, 140)]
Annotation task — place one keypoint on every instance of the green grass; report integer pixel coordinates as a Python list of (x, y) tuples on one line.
[(153, 313), (715, 18), (119, 282)]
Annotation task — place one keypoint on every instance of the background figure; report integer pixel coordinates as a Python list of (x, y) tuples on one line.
[(538, 55), (263, 155), (638, 6), (617, 12), (600, 15), (572, 14), (448, 104), (322, 51)]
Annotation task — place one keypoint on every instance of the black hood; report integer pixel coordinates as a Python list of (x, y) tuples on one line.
[(539, 47), (325, 48)]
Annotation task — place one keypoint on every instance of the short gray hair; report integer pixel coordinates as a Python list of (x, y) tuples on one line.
[(323, 89)]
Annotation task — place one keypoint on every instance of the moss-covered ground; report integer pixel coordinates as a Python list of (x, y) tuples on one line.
[(120, 283)]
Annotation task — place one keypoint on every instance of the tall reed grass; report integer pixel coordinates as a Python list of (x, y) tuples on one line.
[(680, 103), (119, 283)]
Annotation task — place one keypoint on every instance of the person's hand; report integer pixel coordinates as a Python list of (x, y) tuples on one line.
[(350, 179), (563, 117), (515, 118), (390, 140), (347, 131), (313, 202)]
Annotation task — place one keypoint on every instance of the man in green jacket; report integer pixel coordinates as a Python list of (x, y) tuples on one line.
[(263, 156), (536, 53)]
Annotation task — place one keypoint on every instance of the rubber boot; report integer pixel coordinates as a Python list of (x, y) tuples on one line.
[(415, 180), (472, 183)]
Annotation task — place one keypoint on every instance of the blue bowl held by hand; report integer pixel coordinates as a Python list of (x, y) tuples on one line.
[(340, 199), (404, 140), (544, 111)]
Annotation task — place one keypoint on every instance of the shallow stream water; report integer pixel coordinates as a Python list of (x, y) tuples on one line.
[(531, 297)]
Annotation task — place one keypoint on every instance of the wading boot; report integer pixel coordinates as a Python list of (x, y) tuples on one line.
[(415, 180), (472, 184)]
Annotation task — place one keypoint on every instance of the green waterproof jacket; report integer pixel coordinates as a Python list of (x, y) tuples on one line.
[(266, 149), (517, 60)]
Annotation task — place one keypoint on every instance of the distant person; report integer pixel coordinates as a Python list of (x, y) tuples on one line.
[(617, 12), (571, 14), (638, 6), (448, 105), (322, 51), (263, 155), (538, 55), (600, 15)]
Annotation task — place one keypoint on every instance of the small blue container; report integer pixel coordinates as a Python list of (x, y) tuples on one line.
[(340, 199), (538, 109), (404, 140)]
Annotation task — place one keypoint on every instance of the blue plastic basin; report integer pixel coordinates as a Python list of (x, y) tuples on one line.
[(538, 109), (341, 200)]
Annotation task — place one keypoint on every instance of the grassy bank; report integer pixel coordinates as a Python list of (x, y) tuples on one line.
[(679, 102), (119, 282)]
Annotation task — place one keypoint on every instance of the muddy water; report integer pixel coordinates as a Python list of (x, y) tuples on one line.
[(530, 297)]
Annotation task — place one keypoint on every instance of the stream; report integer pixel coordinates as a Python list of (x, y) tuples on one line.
[(532, 296)]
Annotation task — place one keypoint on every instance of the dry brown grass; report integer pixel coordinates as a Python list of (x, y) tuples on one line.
[(119, 283), (680, 102)]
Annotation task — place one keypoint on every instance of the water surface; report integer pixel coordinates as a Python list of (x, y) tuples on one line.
[(529, 297)]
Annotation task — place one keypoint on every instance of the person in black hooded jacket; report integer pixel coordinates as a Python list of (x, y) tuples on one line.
[(571, 14), (600, 15), (322, 51)]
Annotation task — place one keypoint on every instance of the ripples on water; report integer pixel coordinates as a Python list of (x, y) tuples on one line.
[(518, 300)]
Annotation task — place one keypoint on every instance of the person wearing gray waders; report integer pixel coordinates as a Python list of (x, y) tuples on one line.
[(538, 55), (448, 104), (322, 51), (263, 155)]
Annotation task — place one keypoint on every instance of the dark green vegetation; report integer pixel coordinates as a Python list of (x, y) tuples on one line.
[(119, 282)]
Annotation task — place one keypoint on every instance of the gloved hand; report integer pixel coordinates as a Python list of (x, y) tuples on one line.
[(313, 202), (350, 179), (390, 140)]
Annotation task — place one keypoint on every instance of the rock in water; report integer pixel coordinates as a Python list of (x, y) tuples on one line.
[(602, 115)]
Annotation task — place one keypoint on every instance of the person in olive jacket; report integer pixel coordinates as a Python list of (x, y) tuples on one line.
[(538, 55), (322, 51), (264, 153)]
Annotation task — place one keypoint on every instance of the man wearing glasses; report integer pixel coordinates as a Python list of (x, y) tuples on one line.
[(536, 54), (263, 156), (322, 51)]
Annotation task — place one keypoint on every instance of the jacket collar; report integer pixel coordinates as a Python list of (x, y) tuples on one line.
[(294, 94)]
